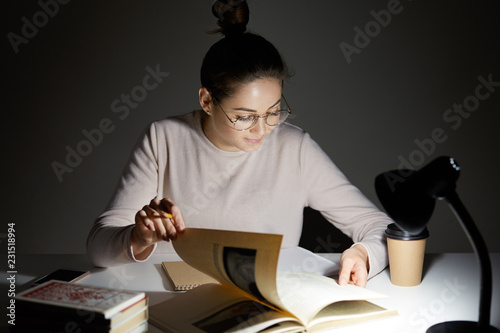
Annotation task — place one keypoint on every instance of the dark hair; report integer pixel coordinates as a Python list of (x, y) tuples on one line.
[(240, 57)]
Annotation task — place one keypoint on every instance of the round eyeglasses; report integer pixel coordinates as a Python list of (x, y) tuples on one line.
[(247, 122)]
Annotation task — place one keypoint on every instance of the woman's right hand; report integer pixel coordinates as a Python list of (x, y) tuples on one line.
[(153, 225)]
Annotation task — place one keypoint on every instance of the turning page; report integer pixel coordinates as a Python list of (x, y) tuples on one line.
[(244, 260)]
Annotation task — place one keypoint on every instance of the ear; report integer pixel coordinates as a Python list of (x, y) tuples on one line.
[(205, 99)]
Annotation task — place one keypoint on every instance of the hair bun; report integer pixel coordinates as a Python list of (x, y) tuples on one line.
[(233, 16)]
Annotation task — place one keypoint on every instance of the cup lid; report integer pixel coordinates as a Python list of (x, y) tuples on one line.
[(395, 232)]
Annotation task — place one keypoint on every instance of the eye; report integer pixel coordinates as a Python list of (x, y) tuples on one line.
[(245, 119)]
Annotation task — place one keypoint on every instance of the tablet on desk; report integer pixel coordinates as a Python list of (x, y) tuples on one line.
[(68, 275)]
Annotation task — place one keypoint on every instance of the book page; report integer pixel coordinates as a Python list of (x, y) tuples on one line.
[(213, 308), (245, 260), (298, 259), (346, 313), (305, 294)]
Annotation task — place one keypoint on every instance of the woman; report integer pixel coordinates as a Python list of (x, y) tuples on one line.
[(235, 165)]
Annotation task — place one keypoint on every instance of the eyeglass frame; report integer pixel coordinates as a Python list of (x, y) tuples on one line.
[(256, 118)]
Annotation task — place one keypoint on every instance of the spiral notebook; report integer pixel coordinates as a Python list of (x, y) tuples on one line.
[(184, 277)]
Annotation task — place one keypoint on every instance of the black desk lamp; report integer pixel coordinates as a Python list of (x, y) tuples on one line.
[(409, 198)]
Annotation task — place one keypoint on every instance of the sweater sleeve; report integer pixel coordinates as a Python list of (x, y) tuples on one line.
[(108, 243), (341, 203)]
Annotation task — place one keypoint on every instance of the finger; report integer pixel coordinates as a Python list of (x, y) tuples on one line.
[(164, 211), (175, 211), (143, 235), (142, 220), (360, 277), (157, 221), (154, 208), (170, 228), (345, 271), (177, 220), (163, 207), (157, 205), (361, 283)]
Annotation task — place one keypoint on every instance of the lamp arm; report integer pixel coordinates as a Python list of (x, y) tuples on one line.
[(482, 255)]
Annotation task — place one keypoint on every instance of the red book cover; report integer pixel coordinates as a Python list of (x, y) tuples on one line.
[(106, 301)]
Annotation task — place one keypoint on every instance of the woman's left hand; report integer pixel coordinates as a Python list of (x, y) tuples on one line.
[(354, 266)]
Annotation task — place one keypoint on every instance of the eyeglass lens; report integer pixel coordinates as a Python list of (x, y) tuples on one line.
[(272, 119)]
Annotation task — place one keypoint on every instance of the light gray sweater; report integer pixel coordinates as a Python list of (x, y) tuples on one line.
[(260, 191)]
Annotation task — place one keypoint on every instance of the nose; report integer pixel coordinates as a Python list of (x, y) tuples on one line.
[(260, 127)]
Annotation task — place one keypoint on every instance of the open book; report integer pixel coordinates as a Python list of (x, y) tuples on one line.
[(254, 296)]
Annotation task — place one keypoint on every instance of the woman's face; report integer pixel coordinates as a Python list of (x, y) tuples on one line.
[(259, 97)]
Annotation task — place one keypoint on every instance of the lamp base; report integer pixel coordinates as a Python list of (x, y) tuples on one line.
[(460, 327)]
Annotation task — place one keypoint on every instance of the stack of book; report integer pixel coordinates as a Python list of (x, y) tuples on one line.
[(57, 306)]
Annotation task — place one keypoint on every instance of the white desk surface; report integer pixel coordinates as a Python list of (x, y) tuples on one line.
[(449, 290)]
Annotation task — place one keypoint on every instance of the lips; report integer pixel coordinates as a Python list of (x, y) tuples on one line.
[(253, 141)]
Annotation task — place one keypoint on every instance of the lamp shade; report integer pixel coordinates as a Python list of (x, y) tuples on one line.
[(409, 196)]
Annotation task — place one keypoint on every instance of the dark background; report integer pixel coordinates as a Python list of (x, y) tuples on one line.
[(367, 114)]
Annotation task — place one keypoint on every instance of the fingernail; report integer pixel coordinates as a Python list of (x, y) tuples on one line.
[(165, 237), (173, 236), (342, 281)]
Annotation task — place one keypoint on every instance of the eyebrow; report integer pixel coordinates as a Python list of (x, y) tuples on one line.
[(251, 110)]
